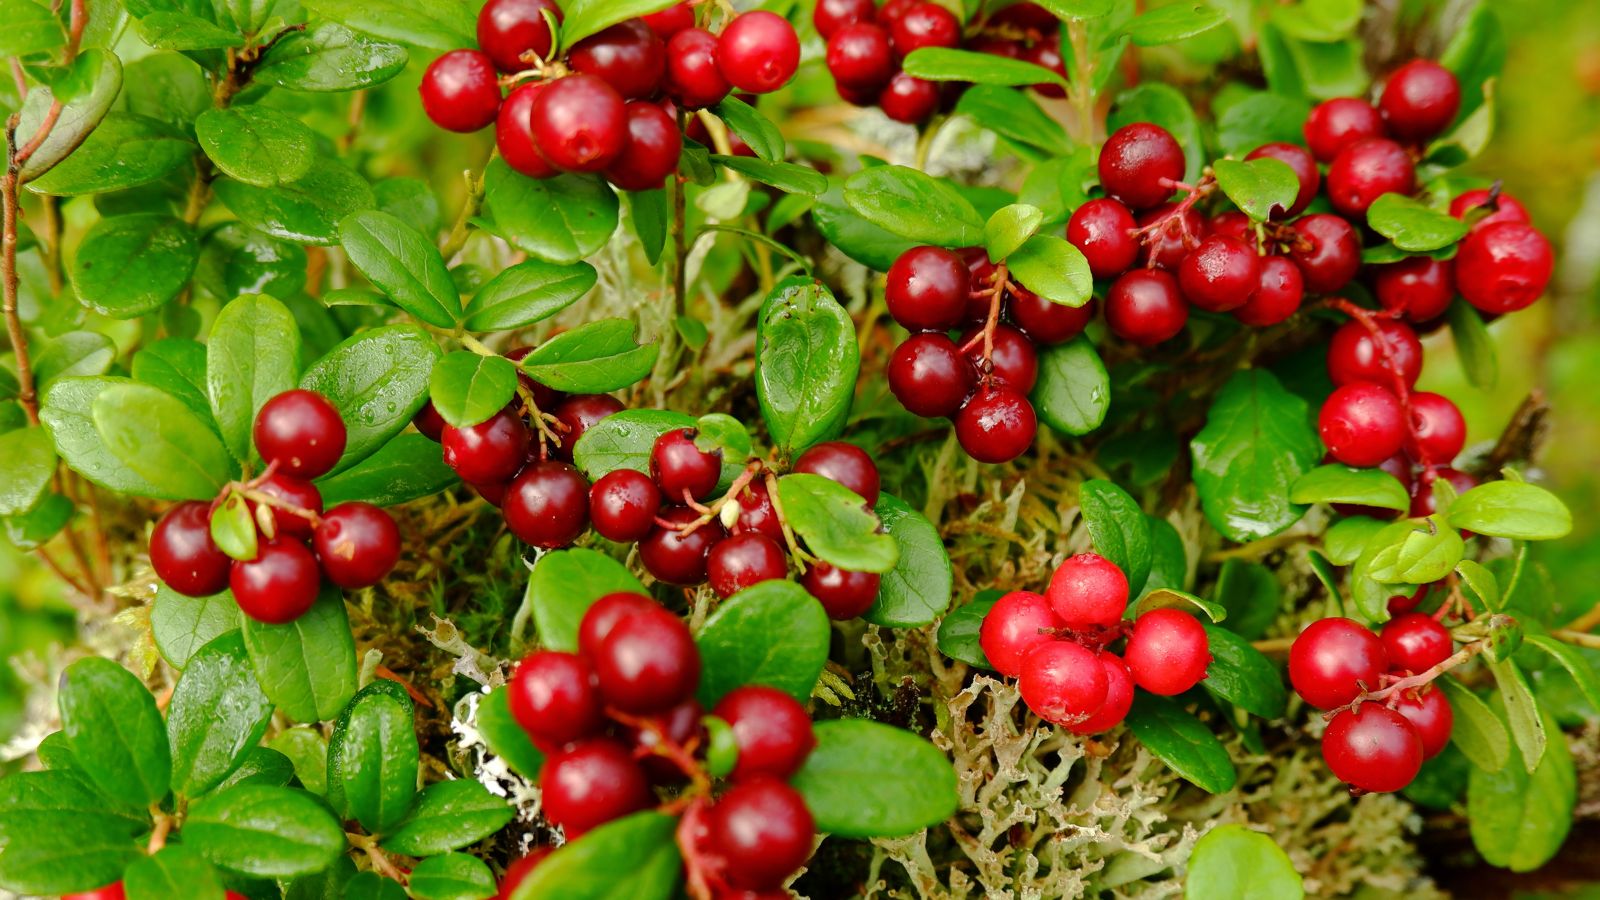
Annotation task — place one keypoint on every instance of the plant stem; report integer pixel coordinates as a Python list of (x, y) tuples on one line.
[(469, 208), (1579, 638), (1083, 66)]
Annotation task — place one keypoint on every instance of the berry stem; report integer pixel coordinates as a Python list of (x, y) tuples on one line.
[(711, 511), (1392, 692), (801, 557), (469, 208), (1368, 321), (680, 755)]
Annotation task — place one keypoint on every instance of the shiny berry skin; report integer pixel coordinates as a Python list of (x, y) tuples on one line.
[(1119, 698), (756, 513), (1135, 161), (1400, 604), (693, 78), (509, 28), (1234, 224), (926, 289), (929, 376), (1362, 424), (831, 15), (1438, 429), (891, 10), (493, 492), (1506, 208), (553, 697), (1168, 652), (1430, 714), (460, 91), (183, 554), (763, 830), (488, 452), (770, 728), (1420, 100), (997, 425), (1503, 267), (296, 493), (592, 783), (743, 560), (518, 871), (111, 891), (1145, 307), (847, 464), (547, 504), (1062, 682), (1220, 274), (580, 123), (513, 132), (1304, 165), (428, 422), (668, 22), (1103, 230), (279, 585), (651, 152), (758, 52), (1013, 360), (860, 57), (1333, 254), (679, 467), (680, 724), (1012, 627), (924, 25), (675, 557), (1047, 53), (1277, 295), (843, 594), (1088, 589), (300, 431), (909, 99), (358, 544), (1337, 123), (604, 614), (1045, 322), (1353, 354), (623, 505), (629, 56), (1365, 171), (1415, 642), (1423, 501), (1173, 236), (577, 414), (647, 663), (1420, 287), (1375, 749), (1332, 659)]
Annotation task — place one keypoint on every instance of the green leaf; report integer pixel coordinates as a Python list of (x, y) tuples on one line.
[(1117, 528), (564, 584), (1522, 713), (27, 463), (1014, 116), (65, 853), (373, 757), (403, 264), (308, 666), (806, 364), (1250, 594), (101, 71), (1172, 598), (115, 731), (1475, 349), (306, 211), (853, 234), (378, 380), (1009, 228), (1476, 53), (162, 441), (1073, 392), (1164, 105), (1259, 187), (917, 591), (946, 64), (1512, 509), (1582, 672), (30, 28), (307, 752), (177, 366), (453, 876), (71, 354), (1256, 442), (1170, 24), (1420, 554), (40, 524), (594, 358), (1476, 730), (559, 220), (754, 129), (407, 468), (1243, 676), (1412, 225), (1169, 561), (329, 57), (1233, 861), (528, 292), (1349, 536), (437, 24), (266, 831), (787, 177), (261, 765), (175, 871), (1053, 269), (1262, 118), (182, 625), (369, 886), (958, 633), (467, 388), (127, 266), (914, 206), (253, 355), (772, 633), (586, 17), (256, 144), (1335, 483), (125, 151), (60, 799), (1518, 820), (624, 440), (172, 30), (587, 869), (449, 815), (505, 736), (216, 716), (1318, 20), (866, 779), (1183, 742), (835, 525), (66, 413)]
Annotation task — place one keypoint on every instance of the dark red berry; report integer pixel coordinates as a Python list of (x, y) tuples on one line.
[(847, 464), (680, 725), (1416, 642), (1170, 236), (1234, 224), (1423, 501), (460, 91), (547, 504), (518, 871), (909, 99), (604, 614), (843, 594), (1062, 682), (1354, 355), (771, 730), (1374, 748), (1277, 295), (743, 560), (623, 505), (756, 513), (764, 832), (1119, 698), (924, 25), (1145, 306), (1018, 622), (509, 28), (831, 15), (429, 422), (300, 431), (295, 493), (927, 288), (1338, 123), (1473, 206), (929, 376), (1088, 589), (1045, 322), (668, 22), (1304, 165), (1420, 100), (1365, 171), (358, 544), (1220, 274), (493, 493), (183, 554), (1046, 53), (1168, 651), (1013, 360), (1362, 424), (489, 452), (1420, 287), (577, 414), (279, 585), (1503, 267), (647, 662), (513, 133), (758, 51), (553, 697), (651, 152), (996, 425), (677, 557), (1138, 164), (860, 57), (693, 78), (1400, 604), (1430, 714), (592, 783), (1103, 230), (1328, 252), (680, 468), (629, 56), (580, 123), (892, 10), (1438, 430), (1333, 659)]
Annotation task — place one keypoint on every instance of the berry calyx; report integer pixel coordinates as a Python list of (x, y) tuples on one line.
[(1416, 642), (1138, 164), (590, 784), (629, 56), (844, 463), (763, 830), (647, 662), (758, 52), (1220, 274), (460, 91), (927, 289), (580, 123), (623, 505), (547, 504), (358, 544), (771, 730), (1333, 659), (1420, 100), (300, 431), (929, 375), (1503, 267), (1168, 652), (1362, 424), (279, 585), (1088, 590), (1062, 682), (1146, 307), (1374, 748), (682, 469), (1337, 123), (509, 28), (742, 560), (844, 594), (553, 697), (1018, 622), (675, 556), (997, 425), (489, 452), (1103, 230), (183, 554)]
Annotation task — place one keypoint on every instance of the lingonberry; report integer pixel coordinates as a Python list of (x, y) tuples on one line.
[(770, 728), (1423, 500), (1139, 163), (518, 871), (1355, 355), (1400, 604), (592, 783), (1304, 165), (651, 151), (856, 96), (553, 697), (295, 493), (460, 91), (744, 560), (1374, 748), (604, 614), (681, 725), (758, 51), (544, 396), (1168, 234), (668, 22), (860, 57), (111, 891), (909, 99), (1145, 307), (1420, 287), (1030, 18), (513, 134), (996, 46), (997, 424), (1045, 322), (924, 25), (1277, 295), (429, 423), (764, 832), (629, 56), (1168, 651), (509, 28), (1503, 267), (1046, 53), (929, 376), (1438, 430), (647, 662), (580, 123), (1119, 698), (1420, 100), (1337, 123), (831, 15), (693, 79), (1328, 252), (927, 288), (183, 554), (1018, 622), (488, 452), (1012, 361), (1333, 659), (1362, 424), (547, 504), (683, 469), (1062, 682), (1415, 642), (679, 557), (279, 585), (1103, 230), (1220, 274), (623, 505), (1474, 207), (892, 10), (847, 464), (1365, 171), (1430, 714), (756, 513), (1232, 223), (358, 544), (301, 432), (1088, 589), (493, 493), (577, 414), (844, 594)]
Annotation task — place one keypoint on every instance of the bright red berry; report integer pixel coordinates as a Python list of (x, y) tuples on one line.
[(577, 414), (513, 133), (909, 99), (1374, 749), (1168, 234), (1416, 642), (1333, 659), (682, 468), (756, 513), (1087, 589), (1365, 171), (358, 544), (1362, 424), (1018, 622), (831, 15), (924, 25), (847, 464), (1234, 224), (844, 594), (1474, 204), (1354, 355), (292, 492), (675, 556), (1063, 683), (929, 375), (1013, 361), (647, 663), (300, 431), (489, 452), (927, 288), (1168, 651), (623, 505), (997, 425), (1420, 287), (111, 891), (553, 697), (1430, 714), (764, 832), (651, 152), (1304, 165), (548, 504), (509, 28), (629, 56), (860, 57), (1438, 430), (518, 871), (1146, 307), (183, 554), (1277, 295), (1103, 230), (1119, 698), (580, 123), (668, 22), (743, 560), (693, 78), (770, 728), (1328, 253), (1503, 267), (1220, 274), (681, 724), (1045, 322), (604, 614), (1337, 123), (460, 91), (592, 783), (279, 585), (1139, 163), (1420, 100), (1046, 53), (758, 51), (429, 422)]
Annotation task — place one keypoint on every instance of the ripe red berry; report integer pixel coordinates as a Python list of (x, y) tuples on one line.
[(927, 288), (909, 99), (1354, 355), (1304, 165), (1430, 714), (1421, 287), (743, 560), (651, 152), (758, 52), (518, 871), (460, 91), (1337, 123), (831, 15), (553, 697), (1420, 100), (771, 730), (1046, 53), (924, 25), (1013, 626), (300, 431), (1374, 749), (1438, 430), (693, 79), (577, 414), (1045, 322), (1333, 659), (1013, 360), (1103, 230), (629, 56), (892, 10), (623, 505), (847, 464), (1503, 267), (860, 57), (513, 133), (1423, 502), (293, 492), (668, 22), (647, 662), (1063, 683), (604, 614), (1331, 252), (1220, 274), (1119, 698), (756, 513), (489, 452), (681, 468), (1168, 651), (592, 783), (677, 557), (358, 544), (1088, 589), (548, 504), (1365, 171), (1170, 236), (764, 832), (183, 554), (1400, 604), (1277, 295), (1145, 307), (580, 123), (681, 724), (279, 585), (509, 28), (429, 422), (1234, 224), (1474, 204), (1416, 642), (1362, 424), (996, 425), (1138, 163), (929, 376), (844, 594), (111, 891)]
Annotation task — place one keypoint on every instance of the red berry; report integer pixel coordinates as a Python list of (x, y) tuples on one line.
[(1103, 230), (111, 891), (592, 783), (296, 493), (1138, 163), (1503, 267), (681, 468), (183, 554), (1506, 208), (1277, 294), (1362, 424), (1013, 360), (460, 91), (1063, 683), (647, 662), (1333, 659), (1335, 124), (1354, 355), (623, 505), (924, 25), (831, 15), (860, 58), (675, 557), (301, 432), (770, 728), (1400, 604), (580, 123), (1420, 287), (1331, 254), (847, 464), (429, 422), (909, 99), (1365, 171), (1423, 502), (548, 504), (1420, 100), (279, 585), (1045, 322), (756, 513), (927, 288), (1047, 54), (488, 452), (1430, 714), (996, 425), (1119, 698), (1145, 307), (843, 594), (358, 544), (493, 493), (604, 614), (744, 560), (1220, 274), (681, 724), (509, 28), (1168, 651), (1171, 236), (651, 152), (1088, 589), (577, 414), (518, 871), (1416, 642), (668, 22), (1013, 626), (758, 51), (629, 56), (693, 78), (553, 697), (929, 376), (892, 10), (513, 134), (1304, 165), (1234, 224), (764, 832), (1438, 431), (1374, 749)]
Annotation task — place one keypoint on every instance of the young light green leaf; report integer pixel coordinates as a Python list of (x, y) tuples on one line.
[(449, 815), (1512, 509), (253, 355), (1172, 598), (437, 24), (27, 463), (1413, 226), (233, 528), (586, 17), (1233, 861), (162, 441), (467, 388), (1522, 713), (972, 67), (1053, 269), (1009, 227), (594, 358), (1334, 483), (328, 57), (527, 292), (1421, 554), (914, 206), (1259, 187), (1173, 23), (835, 525)]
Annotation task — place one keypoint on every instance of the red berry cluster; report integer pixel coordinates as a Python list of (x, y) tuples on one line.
[(618, 719), (1055, 646), (610, 103), (300, 436), (1385, 717)]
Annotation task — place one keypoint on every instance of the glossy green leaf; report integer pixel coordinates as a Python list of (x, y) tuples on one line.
[(66, 853), (958, 633), (125, 151), (1520, 820), (1262, 118), (1582, 671), (378, 380), (437, 24), (806, 364), (253, 355), (1334, 483), (1474, 347), (115, 731), (624, 440), (1233, 861), (449, 815), (130, 265), (1073, 393), (853, 234), (914, 206), (217, 714), (527, 292), (1256, 442), (1173, 23), (30, 28), (1117, 527), (308, 666), (586, 17), (1250, 594), (1015, 117), (1053, 269), (27, 463), (177, 366), (162, 441), (563, 585), (101, 74), (917, 591), (467, 388), (1172, 598), (1009, 227), (403, 264), (66, 413), (1183, 742), (972, 67), (832, 521), (175, 871), (182, 625), (559, 220), (256, 144), (1512, 509), (329, 57), (1259, 187), (788, 177), (587, 869), (505, 737), (772, 633), (174, 30), (1240, 674), (1476, 730), (307, 210), (753, 128), (866, 779), (266, 831), (373, 757), (1522, 713), (594, 358), (407, 468), (1413, 226), (1421, 554), (453, 876)]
